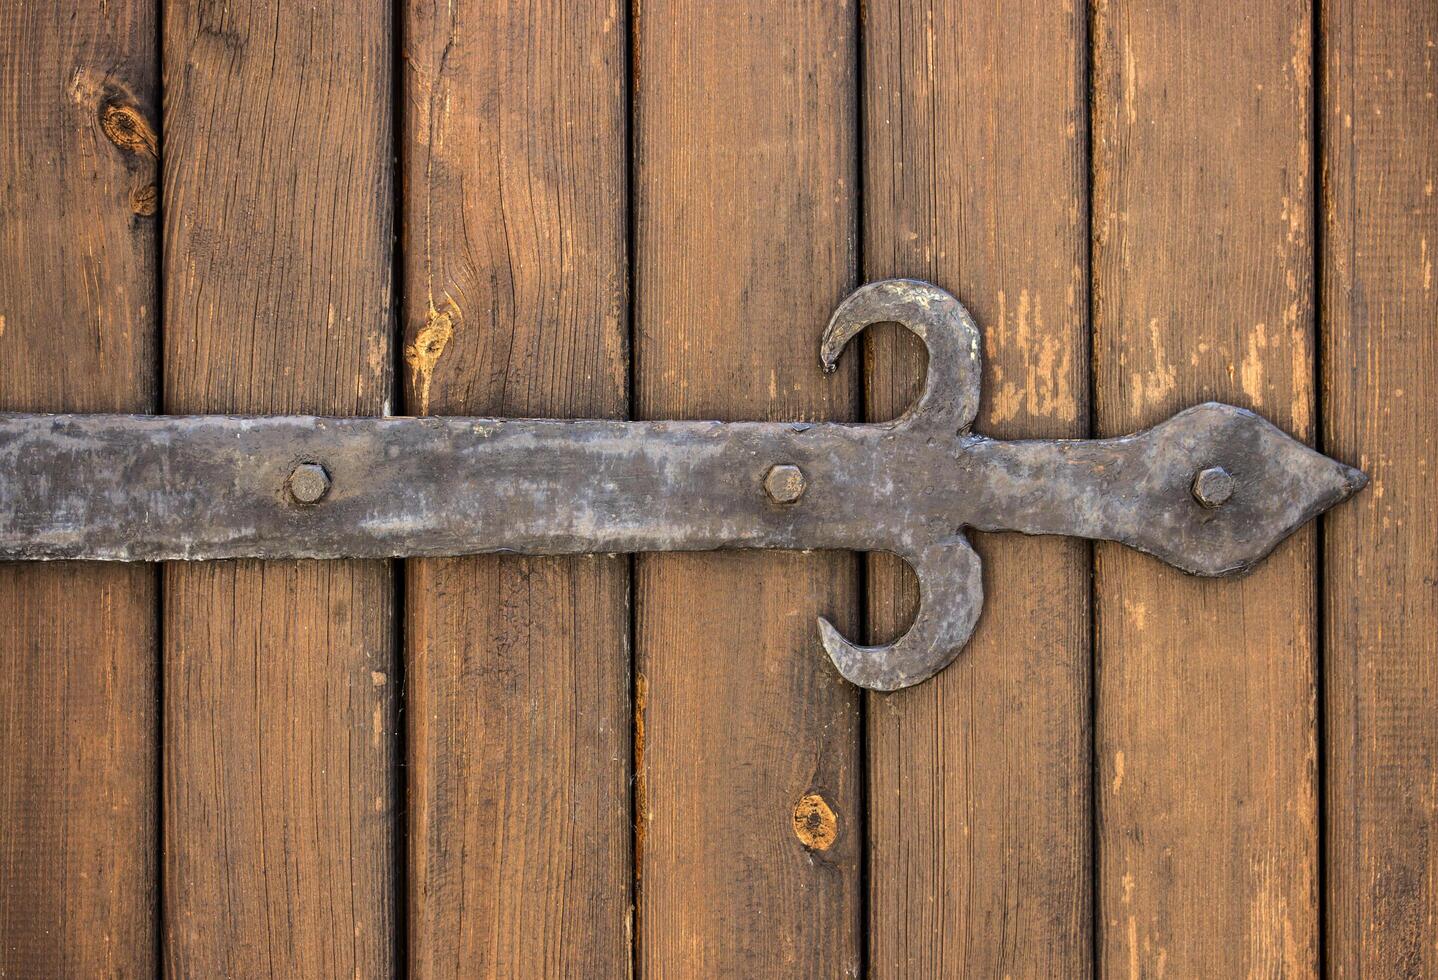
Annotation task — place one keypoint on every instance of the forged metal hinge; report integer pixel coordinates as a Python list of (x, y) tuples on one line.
[(1212, 490)]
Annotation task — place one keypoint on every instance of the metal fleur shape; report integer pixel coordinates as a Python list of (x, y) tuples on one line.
[(1139, 490)]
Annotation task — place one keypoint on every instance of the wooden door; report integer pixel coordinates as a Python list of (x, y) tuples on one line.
[(604, 766)]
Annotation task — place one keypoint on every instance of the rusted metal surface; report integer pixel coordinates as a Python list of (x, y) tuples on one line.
[(1211, 491)]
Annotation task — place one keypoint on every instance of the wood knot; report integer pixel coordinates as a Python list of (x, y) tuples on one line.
[(144, 201), (815, 823), (424, 353), (128, 130)]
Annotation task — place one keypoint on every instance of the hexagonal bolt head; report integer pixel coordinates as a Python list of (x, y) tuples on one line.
[(309, 483), (784, 483), (1213, 486)]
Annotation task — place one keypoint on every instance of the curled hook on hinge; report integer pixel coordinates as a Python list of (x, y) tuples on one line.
[(950, 581), (951, 593), (950, 398)]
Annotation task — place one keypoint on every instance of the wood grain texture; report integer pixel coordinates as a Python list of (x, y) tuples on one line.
[(1380, 361), (78, 281), (518, 669), (1202, 273), (749, 823), (979, 779), (278, 692), (78, 724)]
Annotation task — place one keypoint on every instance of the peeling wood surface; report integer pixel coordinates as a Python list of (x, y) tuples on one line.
[(1380, 364), (279, 721), (979, 849), (78, 648), (744, 134), (1206, 724), (518, 669)]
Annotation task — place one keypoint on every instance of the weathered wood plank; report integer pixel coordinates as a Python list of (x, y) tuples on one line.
[(278, 689), (1380, 360), (78, 282), (78, 789), (1206, 733), (749, 822), (976, 179), (518, 669)]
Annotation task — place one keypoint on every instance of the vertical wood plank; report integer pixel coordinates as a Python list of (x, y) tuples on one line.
[(78, 788), (749, 823), (278, 693), (78, 321), (976, 179), (1380, 359), (518, 668), (1206, 731)]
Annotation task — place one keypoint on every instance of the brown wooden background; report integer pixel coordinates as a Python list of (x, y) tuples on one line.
[(500, 767)]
